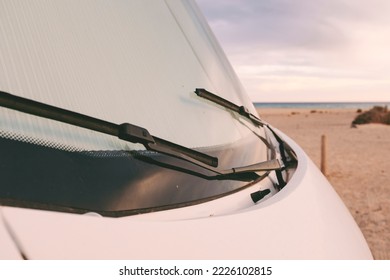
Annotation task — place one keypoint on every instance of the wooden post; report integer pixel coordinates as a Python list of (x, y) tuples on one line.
[(323, 154)]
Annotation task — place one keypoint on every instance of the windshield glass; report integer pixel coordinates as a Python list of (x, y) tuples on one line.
[(135, 62)]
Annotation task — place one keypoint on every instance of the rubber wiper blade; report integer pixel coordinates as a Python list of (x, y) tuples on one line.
[(124, 131), (242, 110)]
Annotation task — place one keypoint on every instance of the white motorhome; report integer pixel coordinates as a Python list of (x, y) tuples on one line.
[(125, 134)]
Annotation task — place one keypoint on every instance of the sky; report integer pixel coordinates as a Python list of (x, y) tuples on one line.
[(305, 50)]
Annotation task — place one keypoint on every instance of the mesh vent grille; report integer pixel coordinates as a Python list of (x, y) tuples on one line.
[(37, 141), (69, 148)]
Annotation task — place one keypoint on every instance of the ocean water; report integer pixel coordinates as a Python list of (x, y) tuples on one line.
[(321, 105)]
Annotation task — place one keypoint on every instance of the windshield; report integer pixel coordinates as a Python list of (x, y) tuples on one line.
[(133, 62)]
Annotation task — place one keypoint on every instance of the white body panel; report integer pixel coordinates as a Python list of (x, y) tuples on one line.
[(8, 246), (78, 55)]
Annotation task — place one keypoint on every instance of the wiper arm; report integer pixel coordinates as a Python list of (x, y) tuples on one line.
[(268, 165), (243, 173), (125, 131), (242, 110), (250, 171)]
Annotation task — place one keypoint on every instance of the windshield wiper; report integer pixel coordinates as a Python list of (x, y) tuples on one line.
[(124, 131), (242, 110)]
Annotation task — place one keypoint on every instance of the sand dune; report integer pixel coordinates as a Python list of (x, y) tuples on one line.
[(358, 164)]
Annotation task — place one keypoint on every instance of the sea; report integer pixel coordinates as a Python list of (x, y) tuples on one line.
[(321, 105)]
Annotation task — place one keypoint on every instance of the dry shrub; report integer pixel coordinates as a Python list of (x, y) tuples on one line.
[(377, 114)]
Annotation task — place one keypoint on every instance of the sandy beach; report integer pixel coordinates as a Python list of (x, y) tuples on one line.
[(358, 164)]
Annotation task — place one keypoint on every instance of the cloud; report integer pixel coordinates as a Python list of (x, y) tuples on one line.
[(276, 23), (320, 46)]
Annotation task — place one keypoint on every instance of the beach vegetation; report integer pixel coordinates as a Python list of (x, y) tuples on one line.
[(377, 114)]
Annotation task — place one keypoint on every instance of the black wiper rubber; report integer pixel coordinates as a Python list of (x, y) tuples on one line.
[(125, 131), (242, 110)]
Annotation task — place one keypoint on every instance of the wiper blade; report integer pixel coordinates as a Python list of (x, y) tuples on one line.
[(242, 110), (125, 131)]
